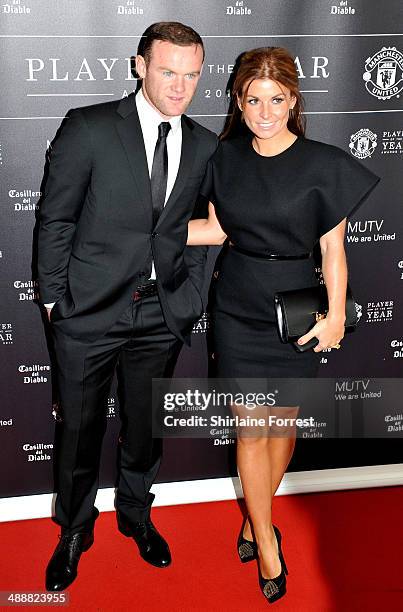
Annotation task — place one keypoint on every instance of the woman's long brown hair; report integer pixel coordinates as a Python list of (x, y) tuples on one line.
[(274, 63)]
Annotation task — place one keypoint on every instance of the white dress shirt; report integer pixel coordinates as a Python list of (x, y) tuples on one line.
[(149, 122)]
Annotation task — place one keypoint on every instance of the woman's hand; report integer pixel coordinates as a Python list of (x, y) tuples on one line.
[(206, 231), (328, 331)]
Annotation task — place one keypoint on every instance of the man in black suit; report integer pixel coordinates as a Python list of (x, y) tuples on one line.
[(121, 288)]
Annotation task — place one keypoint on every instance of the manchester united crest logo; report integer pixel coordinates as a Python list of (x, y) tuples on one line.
[(383, 74), (363, 143)]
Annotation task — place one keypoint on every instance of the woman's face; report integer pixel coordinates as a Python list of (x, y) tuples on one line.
[(266, 108)]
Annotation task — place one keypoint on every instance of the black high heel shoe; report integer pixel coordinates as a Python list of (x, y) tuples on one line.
[(275, 588), (280, 552), (247, 549)]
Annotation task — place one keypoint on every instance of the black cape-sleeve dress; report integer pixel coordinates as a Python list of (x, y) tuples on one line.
[(273, 205)]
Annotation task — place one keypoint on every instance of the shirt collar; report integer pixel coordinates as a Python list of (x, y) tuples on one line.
[(148, 114)]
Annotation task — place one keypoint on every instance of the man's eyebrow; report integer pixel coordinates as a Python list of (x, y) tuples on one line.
[(170, 70)]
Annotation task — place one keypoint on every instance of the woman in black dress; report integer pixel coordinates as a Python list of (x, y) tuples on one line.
[(274, 194)]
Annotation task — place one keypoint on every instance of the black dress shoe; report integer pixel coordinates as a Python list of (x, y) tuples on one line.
[(152, 546), (62, 568)]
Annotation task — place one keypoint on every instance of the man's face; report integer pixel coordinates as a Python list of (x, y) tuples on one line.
[(170, 78)]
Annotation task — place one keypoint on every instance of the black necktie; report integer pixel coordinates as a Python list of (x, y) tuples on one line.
[(159, 171)]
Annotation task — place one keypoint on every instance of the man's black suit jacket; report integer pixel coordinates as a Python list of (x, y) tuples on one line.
[(95, 231)]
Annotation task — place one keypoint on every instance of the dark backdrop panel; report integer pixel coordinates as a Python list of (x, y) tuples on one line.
[(59, 55)]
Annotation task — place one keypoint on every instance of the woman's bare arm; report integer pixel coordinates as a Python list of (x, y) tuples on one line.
[(334, 269), (330, 331)]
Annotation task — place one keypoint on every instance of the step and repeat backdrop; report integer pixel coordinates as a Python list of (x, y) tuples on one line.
[(65, 54)]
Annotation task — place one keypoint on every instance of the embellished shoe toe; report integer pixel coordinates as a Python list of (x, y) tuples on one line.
[(247, 550)]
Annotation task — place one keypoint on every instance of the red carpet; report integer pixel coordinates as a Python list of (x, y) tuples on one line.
[(343, 551)]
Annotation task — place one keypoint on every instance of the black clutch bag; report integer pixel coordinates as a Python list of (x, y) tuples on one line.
[(298, 311)]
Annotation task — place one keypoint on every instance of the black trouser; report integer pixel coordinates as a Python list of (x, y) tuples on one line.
[(139, 347)]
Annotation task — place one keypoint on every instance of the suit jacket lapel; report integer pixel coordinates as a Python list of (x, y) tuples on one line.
[(189, 144), (130, 133)]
